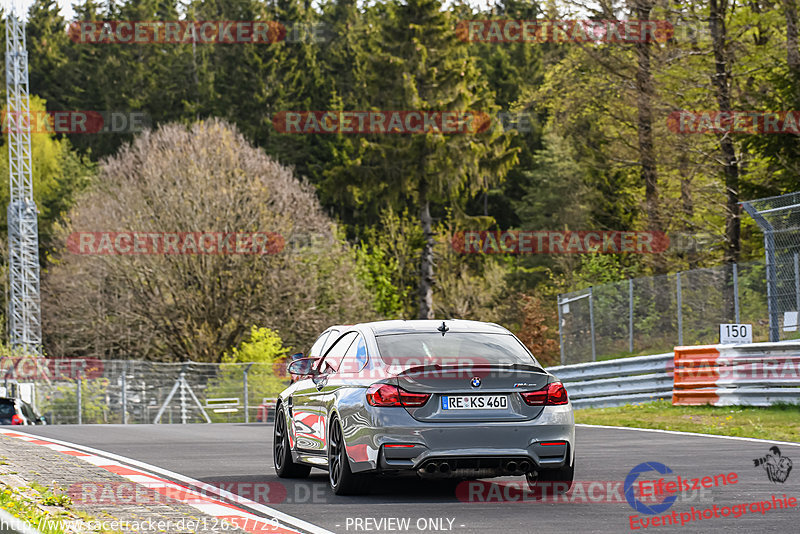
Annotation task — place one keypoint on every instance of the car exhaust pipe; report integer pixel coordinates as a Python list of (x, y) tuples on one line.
[(431, 468), (444, 467), (511, 466), (524, 467)]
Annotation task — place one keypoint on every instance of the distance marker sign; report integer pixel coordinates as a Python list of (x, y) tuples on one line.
[(734, 334)]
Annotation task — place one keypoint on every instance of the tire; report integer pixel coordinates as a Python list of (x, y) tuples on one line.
[(340, 477), (281, 451), (552, 481)]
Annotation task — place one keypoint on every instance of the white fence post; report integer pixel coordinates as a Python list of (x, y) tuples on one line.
[(680, 311), (736, 291), (246, 394), (79, 399), (630, 314), (591, 323), (560, 330), (124, 393)]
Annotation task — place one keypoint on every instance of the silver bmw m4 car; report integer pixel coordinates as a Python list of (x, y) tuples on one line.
[(440, 399)]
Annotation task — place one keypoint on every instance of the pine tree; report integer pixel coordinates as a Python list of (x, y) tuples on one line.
[(91, 79), (295, 83), (512, 70), (424, 66), (345, 61), (230, 80), (47, 43)]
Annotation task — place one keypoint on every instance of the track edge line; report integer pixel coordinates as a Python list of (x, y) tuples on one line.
[(698, 434)]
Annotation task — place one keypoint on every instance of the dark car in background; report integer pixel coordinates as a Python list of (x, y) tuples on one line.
[(18, 412)]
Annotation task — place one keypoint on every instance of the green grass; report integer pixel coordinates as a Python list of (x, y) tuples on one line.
[(24, 507), (50, 497), (780, 423), (26, 503)]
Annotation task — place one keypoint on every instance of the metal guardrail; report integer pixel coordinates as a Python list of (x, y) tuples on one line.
[(757, 374), (223, 405), (618, 382)]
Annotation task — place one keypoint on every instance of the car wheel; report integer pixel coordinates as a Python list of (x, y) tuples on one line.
[(282, 454), (554, 481), (342, 480)]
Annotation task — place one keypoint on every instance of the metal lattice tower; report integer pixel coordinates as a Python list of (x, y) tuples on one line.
[(24, 305)]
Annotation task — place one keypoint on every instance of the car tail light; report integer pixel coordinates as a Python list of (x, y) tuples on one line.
[(413, 399), (383, 395), (389, 395), (553, 394), (16, 420)]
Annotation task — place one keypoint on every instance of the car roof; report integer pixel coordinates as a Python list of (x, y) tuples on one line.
[(420, 326)]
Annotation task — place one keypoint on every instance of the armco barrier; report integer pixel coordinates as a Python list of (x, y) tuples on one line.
[(617, 382), (757, 374)]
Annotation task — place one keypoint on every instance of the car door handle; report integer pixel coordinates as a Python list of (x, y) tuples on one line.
[(320, 382)]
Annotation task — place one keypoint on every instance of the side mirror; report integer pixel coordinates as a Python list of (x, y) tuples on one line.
[(303, 367), (296, 356)]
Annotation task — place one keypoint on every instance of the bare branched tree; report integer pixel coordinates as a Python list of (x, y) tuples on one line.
[(205, 178)]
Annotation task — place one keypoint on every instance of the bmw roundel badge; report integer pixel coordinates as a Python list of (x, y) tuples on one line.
[(476, 382)]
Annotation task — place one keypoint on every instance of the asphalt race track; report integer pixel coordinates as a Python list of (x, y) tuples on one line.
[(239, 457)]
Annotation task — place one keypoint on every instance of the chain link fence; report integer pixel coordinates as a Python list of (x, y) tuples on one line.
[(652, 314), (93, 391), (779, 220)]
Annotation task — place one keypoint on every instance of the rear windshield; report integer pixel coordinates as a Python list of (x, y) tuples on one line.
[(452, 349)]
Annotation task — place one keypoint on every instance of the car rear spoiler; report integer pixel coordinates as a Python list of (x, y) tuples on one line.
[(482, 366)]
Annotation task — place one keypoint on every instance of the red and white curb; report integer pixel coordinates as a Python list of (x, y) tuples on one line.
[(226, 513)]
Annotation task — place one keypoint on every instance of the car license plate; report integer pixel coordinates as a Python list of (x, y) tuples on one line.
[(474, 402)]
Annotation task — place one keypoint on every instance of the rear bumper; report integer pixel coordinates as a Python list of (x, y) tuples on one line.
[(544, 442)]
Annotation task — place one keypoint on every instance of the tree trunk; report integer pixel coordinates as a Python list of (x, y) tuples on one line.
[(687, 206), (426, 279), (792, 52), (644, 90), (721, 81), (647, 156)]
